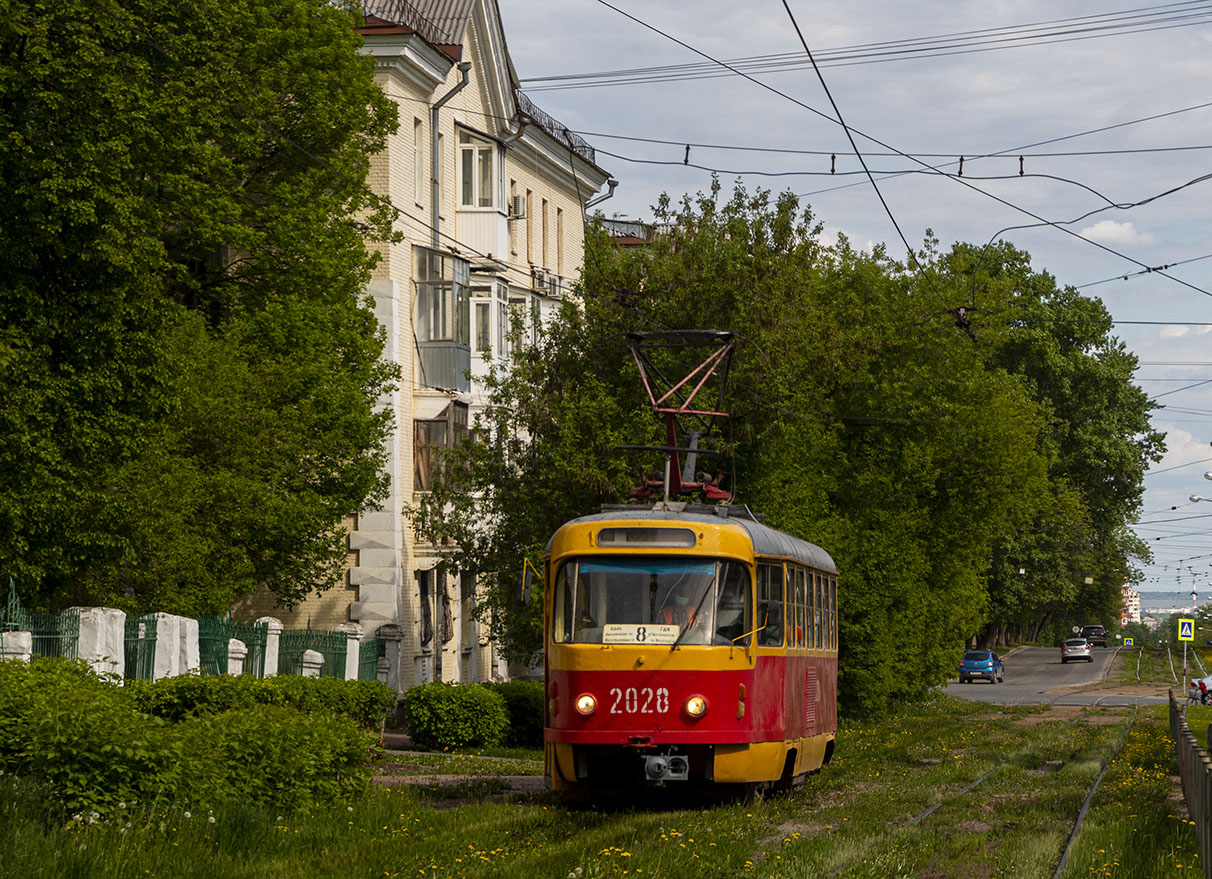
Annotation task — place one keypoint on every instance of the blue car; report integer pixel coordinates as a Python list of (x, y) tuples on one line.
[(981, 664)]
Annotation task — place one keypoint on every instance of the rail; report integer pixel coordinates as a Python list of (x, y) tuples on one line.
[(556, 129), (1195, 770)]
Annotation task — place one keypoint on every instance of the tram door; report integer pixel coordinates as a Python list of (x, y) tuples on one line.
[(768, 721)]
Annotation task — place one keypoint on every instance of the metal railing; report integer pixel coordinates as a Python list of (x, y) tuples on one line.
[(140, 647), (294, 642), (552, 126), (1195, 770), (213, 637), (53, 634), (368, 659)]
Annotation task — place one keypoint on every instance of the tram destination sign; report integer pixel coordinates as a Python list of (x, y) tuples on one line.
[(622, 633)]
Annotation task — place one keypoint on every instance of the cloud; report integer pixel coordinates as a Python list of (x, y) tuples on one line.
[(1174, 332), (1111, 232)]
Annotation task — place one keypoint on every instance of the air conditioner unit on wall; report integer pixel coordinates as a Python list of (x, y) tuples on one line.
[(547, 282), (517, 207)]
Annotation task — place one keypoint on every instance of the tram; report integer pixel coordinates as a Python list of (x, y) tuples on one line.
[(686, 644)]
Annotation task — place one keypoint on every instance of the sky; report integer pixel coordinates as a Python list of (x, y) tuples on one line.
[(1109, 104)]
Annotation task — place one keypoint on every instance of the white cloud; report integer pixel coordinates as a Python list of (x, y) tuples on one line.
[(1111, 232), (1174, 332)]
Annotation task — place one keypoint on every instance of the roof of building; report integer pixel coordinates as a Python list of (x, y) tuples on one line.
[(444, 24)]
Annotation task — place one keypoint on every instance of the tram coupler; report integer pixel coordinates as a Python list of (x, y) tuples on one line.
[(668, 767)]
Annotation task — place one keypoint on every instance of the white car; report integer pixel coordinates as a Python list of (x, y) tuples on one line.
[(1076, 648)]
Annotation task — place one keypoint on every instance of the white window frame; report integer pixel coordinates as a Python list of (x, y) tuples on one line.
[(479, 172)]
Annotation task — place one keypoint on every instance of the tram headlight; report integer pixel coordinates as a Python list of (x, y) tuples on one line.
[(696, 706), (586, 704)]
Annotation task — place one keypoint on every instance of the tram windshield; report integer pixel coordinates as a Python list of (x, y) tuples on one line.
[(652, 601)]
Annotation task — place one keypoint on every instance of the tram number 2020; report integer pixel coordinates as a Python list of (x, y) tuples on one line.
[(639, 700)]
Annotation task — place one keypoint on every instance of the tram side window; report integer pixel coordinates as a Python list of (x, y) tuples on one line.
[(833, 613), (801, 608), (561, 611), (770, 605), (733, 612), (812, 609), (818, 609)]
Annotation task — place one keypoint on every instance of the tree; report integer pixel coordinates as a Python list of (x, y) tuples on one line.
[(864, 421), (188, 411), (1098, 444)]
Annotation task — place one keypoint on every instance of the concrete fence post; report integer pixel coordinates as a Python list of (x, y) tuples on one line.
[(237, 650), (102, 642), (16, 645), (312, 662), (353, 644), (273, 638), (393, 636)]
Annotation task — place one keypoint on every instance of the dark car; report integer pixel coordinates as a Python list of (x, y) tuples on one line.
[(1096, 635), (981, 664), (1076, 648)]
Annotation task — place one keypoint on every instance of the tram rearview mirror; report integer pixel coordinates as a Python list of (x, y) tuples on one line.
[(526, 581)]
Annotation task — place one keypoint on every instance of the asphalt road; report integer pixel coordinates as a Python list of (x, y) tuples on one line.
[(1036, 674)]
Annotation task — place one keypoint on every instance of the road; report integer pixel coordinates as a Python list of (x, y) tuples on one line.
[(1035, 674)]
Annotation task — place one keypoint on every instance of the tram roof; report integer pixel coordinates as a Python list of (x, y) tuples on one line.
[(766, 540)]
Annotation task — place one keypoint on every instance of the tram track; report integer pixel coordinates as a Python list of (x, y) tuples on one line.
[(922, 817)]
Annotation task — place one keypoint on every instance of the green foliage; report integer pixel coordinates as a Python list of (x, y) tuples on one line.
[(932, 453), (187, 359), (524, 704), (450, 716), (270, 755), (92, 745), (366, 703)]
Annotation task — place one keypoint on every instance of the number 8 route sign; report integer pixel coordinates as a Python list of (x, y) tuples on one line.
[(1186, 630)]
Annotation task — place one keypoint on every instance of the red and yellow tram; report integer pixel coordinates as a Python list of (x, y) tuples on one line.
[(687, 644)]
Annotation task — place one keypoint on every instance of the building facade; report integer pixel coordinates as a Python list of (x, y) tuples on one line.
[(490, 196)]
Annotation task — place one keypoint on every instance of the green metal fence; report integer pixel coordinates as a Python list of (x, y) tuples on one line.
[(368, 659), (53, 634), (213, 637), (332, 645), (140, 646)]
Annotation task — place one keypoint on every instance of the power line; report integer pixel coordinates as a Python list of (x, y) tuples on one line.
[(1130, 21), (875, 140)]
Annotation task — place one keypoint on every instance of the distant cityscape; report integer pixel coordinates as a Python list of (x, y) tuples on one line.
[(1157, 602)]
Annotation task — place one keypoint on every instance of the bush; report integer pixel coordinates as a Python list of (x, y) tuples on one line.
[(270, 755), (366, 703), (524, 703), (176, 699), (60, 723), (192, 695), (95, 747), (450, 716)]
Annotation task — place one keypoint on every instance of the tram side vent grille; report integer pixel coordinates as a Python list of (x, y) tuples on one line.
[(810, 697)]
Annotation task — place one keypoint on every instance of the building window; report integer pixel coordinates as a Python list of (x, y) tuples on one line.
[(431, 437), (443, 297), (483, 326), (467, 609), (559, 241), (477, 182), (544, 244), (502, 319), (529, 226), (425, 590), (418, 176)]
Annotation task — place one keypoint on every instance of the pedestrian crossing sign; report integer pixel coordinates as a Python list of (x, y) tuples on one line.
[(1186, 630), (1127, 642)]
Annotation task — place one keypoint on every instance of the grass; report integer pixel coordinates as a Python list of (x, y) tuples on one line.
[(862, 816)]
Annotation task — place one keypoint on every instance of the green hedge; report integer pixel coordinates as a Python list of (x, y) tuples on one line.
[(524, 702), (451, 716), (98, 749), (366, 703)]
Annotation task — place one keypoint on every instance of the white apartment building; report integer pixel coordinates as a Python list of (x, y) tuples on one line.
[(491, 195)]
